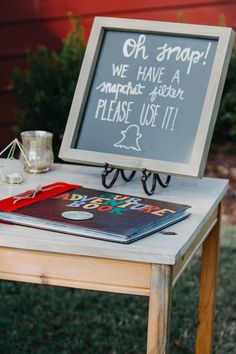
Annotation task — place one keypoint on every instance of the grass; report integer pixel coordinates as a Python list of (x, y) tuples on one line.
[(39, 319)]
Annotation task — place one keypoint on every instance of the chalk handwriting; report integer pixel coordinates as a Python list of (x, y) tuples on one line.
[(113, 111), (166, 91), (149, 113), (176, 77), (206, 53), (186, 54), (169, 118), (117, 88), (133, 48), (139, 95), (120, 70), (150, 73)]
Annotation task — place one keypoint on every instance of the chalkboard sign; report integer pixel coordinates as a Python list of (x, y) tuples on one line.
[(148, 96)]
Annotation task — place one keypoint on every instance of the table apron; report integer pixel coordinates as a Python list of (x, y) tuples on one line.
[(75, 271)]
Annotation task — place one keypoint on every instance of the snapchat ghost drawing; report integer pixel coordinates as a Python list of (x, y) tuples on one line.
[(130, 138)]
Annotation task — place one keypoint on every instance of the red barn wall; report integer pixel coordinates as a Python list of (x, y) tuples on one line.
[(26, 24)]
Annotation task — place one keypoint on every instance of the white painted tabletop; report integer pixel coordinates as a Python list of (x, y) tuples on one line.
[(202, 194)]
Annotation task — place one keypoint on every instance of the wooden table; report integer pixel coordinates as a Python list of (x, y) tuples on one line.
[(150, 266)]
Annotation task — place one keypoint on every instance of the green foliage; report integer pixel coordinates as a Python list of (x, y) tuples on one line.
[(44, 91), (225, 130)]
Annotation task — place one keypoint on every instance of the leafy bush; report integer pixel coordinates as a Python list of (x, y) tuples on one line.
[(44, 90), (225, 130)]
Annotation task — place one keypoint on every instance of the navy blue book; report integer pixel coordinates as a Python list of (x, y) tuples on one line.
[(99, 214)]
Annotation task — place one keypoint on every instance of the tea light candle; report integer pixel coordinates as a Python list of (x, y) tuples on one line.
[(14, 178)]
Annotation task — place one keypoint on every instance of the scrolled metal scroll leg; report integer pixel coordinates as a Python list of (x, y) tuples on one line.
[(163, 184), (146, 175), (107, 170), (127, 178)]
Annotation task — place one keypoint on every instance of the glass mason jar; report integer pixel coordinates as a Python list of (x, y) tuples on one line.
[(37, 146)]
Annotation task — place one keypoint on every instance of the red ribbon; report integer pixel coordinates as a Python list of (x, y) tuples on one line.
[(33, 196)]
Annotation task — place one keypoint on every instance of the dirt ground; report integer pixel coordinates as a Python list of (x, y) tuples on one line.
[(222, 163)]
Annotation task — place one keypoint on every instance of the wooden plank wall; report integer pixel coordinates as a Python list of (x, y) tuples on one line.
[(26, 24)]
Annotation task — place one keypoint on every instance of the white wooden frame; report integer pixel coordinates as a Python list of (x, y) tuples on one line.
[(195, 167)]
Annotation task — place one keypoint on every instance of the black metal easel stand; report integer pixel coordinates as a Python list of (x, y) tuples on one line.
[(146, 177), (108, 170), (155, 178)]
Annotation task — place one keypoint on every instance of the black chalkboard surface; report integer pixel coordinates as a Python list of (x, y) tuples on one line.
[(148, 96), (143, 99)]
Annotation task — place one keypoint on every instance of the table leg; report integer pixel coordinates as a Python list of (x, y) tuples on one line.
[(159, 309), (207, 296)]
